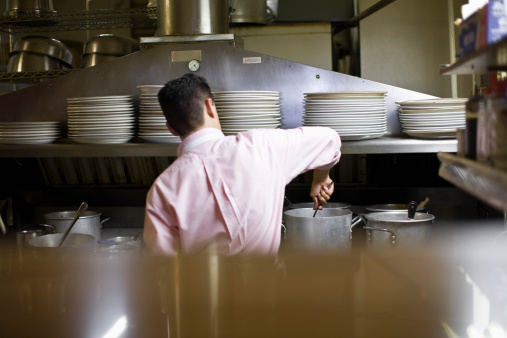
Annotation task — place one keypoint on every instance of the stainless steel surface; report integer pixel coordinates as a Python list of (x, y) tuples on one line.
[(329, 205), (388, 207), (33, 62), (74, 240), (14, 7), (394, 228), (238, 42), (46, 46), (111, 44), (192, 17), (89, 223), (82, 208), (91, 60), (250, 11), (330, 231), (225, 67)]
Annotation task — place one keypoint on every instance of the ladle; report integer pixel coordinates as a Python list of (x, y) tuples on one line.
[(80, 211)]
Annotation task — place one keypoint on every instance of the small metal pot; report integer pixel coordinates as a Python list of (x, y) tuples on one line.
[(395, 228), (329, 231), (89, 223), (46, 46), (33, 62), (111, 44), (29, 7)]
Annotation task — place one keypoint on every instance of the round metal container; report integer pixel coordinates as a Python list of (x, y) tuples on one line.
[(250, 11), (111, 44), (33, 62), (45, 46), (27, 7), (89, 223), (90, 60), (329, 231), (393, 228), (81, 241), (193, 17)]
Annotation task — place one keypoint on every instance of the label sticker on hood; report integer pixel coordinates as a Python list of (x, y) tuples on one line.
[(252, 59)]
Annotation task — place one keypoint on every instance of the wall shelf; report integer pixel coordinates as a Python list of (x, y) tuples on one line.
[(66, 148), (481, 181), (80, 20), (491, 58)]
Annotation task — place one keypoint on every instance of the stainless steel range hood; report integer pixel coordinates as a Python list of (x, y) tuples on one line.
[(222, 61)]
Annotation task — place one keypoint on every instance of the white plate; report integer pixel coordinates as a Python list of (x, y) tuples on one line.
[(157, 133), (100, 98), (43, 124), (101, 140), (348, 131), (93, 109), (374, 116), (345, 102), (27, 140), (149, 89), (441, 134), (244, 105), (152, 118), (77, 116), (237, 130), (102, 120), (433, 102), (345, 123), (343, 109), (345, 93), (251, 92), (22, 133)]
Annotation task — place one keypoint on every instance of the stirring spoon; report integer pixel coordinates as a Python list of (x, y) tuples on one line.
[(80, 211)]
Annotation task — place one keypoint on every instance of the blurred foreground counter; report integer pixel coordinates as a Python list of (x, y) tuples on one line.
[(457, 287)]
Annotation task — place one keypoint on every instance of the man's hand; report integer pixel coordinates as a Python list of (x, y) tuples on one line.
[(322, 188)]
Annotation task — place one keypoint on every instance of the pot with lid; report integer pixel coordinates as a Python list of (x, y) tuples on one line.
[(329, 231), (398, 228)]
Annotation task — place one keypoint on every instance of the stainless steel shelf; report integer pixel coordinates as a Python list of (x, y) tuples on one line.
[(80, 20), (482, 181), (65, 148), (491, 58), (33, 76)]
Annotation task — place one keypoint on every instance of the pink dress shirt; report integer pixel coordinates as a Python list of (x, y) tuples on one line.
[(224, 194)]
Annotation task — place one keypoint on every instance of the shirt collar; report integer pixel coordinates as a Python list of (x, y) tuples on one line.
[(198, 137)]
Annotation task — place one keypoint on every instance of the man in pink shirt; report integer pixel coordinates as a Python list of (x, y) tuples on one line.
[(224, 194)]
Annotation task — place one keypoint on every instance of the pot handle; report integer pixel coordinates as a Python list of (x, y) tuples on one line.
[(52, 228), (393, 235), (355, 221), (105, 219)]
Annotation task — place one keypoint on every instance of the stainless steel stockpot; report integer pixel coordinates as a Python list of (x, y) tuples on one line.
[(329, 231), (329, 205), (89, 223), (394, 228)]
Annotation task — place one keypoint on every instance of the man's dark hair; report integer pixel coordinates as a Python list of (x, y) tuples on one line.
[(182, 100)]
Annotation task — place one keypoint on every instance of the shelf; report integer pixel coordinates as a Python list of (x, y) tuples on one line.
[(33, 76), (66, 148), (481, 181), (491, 58), (80, 20)]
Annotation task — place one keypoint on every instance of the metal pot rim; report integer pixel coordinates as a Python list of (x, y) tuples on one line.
[(386, 217), (87, 214), (340, 212)]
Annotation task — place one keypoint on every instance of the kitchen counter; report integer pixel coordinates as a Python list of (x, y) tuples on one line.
[(453, 286)]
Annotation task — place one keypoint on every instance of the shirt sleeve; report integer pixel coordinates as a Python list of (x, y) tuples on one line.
[(307, 148), (159, 235)]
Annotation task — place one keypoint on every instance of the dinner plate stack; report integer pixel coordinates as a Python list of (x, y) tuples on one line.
[(29, 132), (433, 118), (152, 123), (101, 119), (244, 110), (353, 115)]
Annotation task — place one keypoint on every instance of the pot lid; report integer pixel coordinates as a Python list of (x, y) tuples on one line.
[(398, 217)]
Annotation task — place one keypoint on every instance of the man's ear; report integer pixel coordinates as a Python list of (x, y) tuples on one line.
[(211, 110), (172, 130)]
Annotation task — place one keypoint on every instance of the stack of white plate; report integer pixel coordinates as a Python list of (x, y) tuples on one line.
[(244, 110), (353, 115), (433, 118), (101, 119), (29, 132), (152, 123)]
